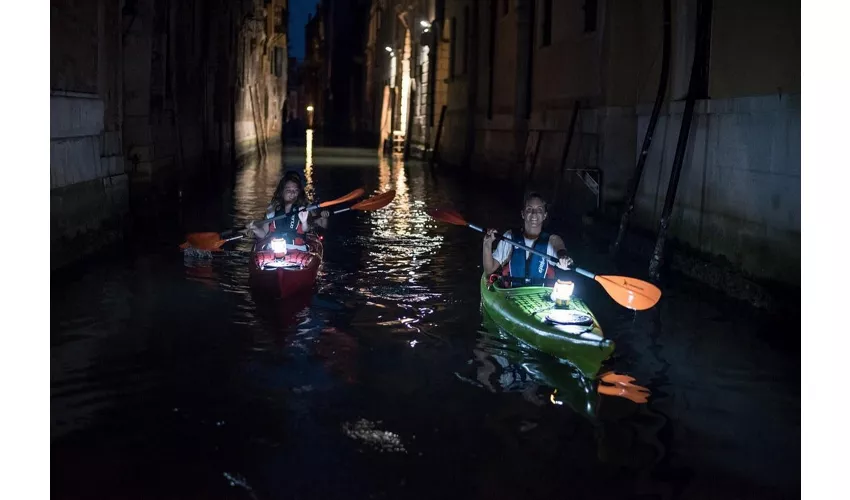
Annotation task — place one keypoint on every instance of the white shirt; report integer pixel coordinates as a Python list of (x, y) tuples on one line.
[(503, 250)]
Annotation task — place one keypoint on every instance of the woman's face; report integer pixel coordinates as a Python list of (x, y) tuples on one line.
[(533, 215), (291, 190)]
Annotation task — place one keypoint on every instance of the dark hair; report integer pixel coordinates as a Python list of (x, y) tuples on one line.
[(291, 176), (534, 194)]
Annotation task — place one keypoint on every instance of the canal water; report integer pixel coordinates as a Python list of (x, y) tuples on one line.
[(172, 378)]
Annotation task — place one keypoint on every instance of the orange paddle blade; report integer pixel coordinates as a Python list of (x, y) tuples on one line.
[(376, 202), (203, 241), (629, 292), (622, 386), (357, 193), (448, 216)]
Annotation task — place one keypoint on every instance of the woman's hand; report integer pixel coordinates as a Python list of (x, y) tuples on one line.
[(564, 261), (489, 238), (302, 216)]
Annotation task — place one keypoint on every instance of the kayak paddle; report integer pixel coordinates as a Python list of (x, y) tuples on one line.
[(214, 241), (631, 293)]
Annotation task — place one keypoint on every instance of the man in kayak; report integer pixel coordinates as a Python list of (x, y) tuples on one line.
[(524, 267), (289, 200)]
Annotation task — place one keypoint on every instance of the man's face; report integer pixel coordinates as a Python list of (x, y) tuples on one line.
[(290, 192), (533, 215)]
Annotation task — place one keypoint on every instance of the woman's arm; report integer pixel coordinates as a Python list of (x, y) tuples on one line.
[(488, 262), (304, 217), (564, 260), (322, 219)]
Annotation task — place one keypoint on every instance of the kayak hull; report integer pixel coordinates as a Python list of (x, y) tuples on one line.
[(284, 277), (521, 312)]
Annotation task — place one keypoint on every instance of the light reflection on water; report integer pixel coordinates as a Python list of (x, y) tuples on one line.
[(150, 354)]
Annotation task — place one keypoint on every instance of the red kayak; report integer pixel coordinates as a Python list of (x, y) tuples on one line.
[(283, 268)]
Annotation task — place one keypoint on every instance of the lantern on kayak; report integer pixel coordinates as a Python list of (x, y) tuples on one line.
[(278, 246), (562, 293)]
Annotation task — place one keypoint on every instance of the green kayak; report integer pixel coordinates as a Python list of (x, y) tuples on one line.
[(525, 313)]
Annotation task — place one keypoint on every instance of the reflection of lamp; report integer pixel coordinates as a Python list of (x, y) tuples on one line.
[(562, 293), (278, 247), (310, 116)]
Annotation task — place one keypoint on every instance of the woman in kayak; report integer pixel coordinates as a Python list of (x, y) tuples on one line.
[(519, 264), (289, 200)]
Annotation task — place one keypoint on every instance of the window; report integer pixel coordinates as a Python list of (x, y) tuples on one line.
[(590, 7), (546, 24), (452, 46), (279, 19), (278, 61)]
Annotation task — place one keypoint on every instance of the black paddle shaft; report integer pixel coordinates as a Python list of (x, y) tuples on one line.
[(579, 270)]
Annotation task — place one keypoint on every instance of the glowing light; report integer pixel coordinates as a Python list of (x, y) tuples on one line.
[(278, 246), (562, 292), (388, 49), (425, 24), (405, 86), (310, 108)]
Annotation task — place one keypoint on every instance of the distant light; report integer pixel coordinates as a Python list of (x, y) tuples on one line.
[(309, 108), (426, 30), (388, 49), (425, 24)]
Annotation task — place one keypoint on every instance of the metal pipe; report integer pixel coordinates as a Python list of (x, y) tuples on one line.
[(634, 183), (696, 85)]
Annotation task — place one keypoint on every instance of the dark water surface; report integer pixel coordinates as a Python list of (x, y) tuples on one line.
[(172, 378)]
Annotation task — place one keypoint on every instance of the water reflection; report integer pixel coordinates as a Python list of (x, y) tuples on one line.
[(308, 167), (404, 240), (149, 353)]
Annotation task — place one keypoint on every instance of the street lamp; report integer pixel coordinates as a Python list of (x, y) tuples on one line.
[(310, 116)]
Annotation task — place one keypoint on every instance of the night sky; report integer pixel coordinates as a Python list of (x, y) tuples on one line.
[(298, 11)]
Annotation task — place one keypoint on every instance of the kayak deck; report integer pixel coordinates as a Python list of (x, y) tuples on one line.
[(294, 272), (522, 312)]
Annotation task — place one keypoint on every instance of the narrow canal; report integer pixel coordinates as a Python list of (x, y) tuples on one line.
[(172, 378)]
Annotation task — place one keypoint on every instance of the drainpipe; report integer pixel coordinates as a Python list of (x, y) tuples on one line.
[(634, 183), (695, 86), (172, 50), (471, 84), (524, 14)]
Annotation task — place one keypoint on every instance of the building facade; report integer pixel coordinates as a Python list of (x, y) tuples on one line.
[(556, 96), (405, 77), (150, 92)]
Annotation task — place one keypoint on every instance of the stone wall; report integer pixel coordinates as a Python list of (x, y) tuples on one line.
[(146, 95), (739, 192), (88, 186)]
